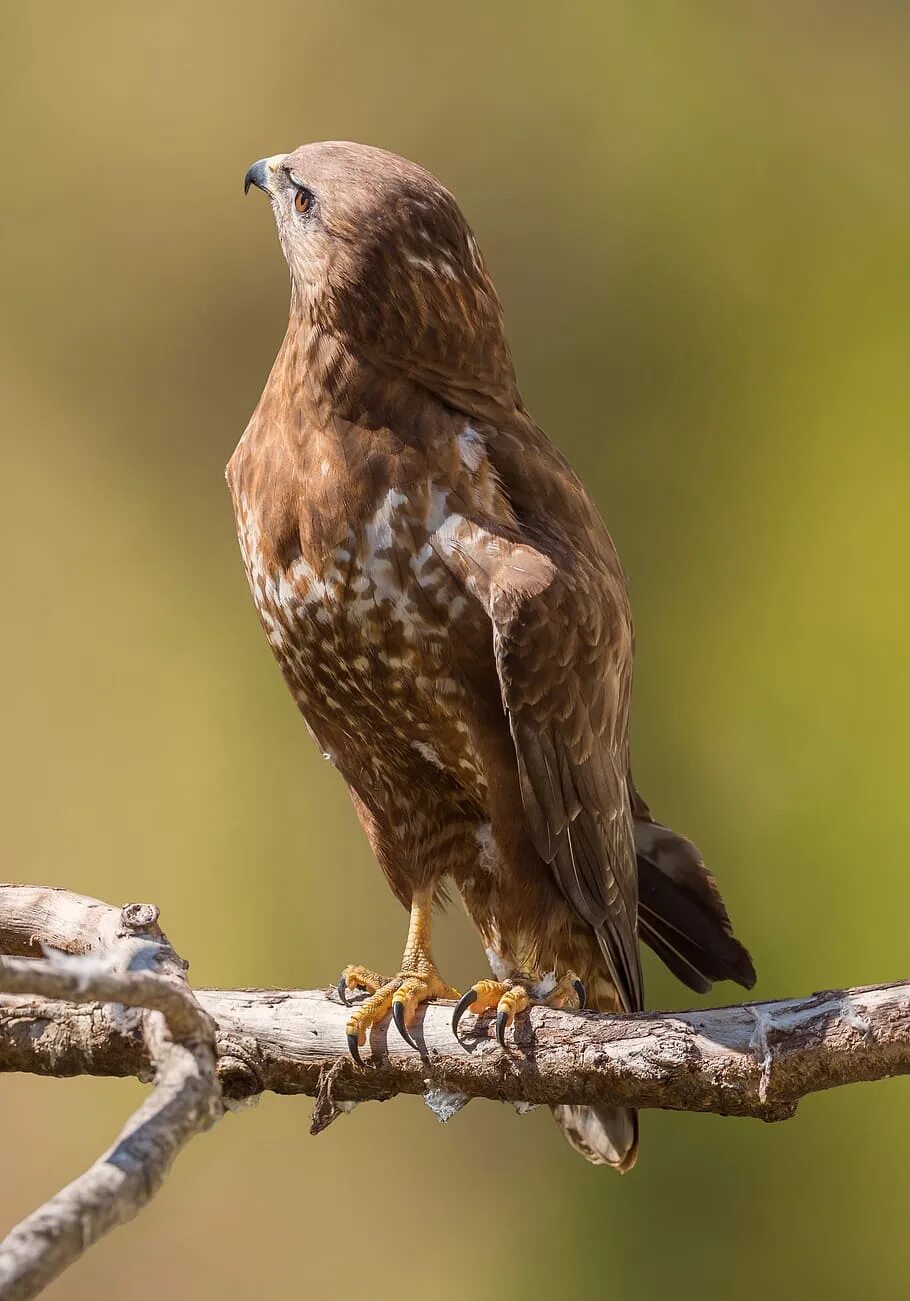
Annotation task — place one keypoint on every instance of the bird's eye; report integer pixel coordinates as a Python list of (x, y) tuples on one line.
[(303, 201)]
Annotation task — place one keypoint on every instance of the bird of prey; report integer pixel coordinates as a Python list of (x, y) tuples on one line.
[(451, 617)]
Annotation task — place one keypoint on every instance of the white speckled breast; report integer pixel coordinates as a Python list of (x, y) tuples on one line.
[(368, 633)]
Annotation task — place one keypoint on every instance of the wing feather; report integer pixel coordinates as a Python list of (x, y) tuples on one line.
[(562, 639)]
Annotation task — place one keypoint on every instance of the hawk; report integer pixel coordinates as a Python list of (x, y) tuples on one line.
[(450, 614)]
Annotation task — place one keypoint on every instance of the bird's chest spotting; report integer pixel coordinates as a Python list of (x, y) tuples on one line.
[(364, 634)]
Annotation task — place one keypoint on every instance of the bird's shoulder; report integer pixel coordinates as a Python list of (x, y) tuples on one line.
[(542, 546)]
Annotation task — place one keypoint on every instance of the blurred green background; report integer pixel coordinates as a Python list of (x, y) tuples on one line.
[(698, 216)]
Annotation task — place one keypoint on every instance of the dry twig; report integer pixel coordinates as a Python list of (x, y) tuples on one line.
[(172, 1039)]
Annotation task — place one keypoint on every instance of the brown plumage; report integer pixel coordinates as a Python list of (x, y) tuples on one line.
[(451, 617)]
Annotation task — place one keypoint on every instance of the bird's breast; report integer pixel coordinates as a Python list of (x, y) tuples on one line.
[(371, 635)]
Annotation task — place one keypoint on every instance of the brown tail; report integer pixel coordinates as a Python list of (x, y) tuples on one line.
[(602, 1135), (681, 915)]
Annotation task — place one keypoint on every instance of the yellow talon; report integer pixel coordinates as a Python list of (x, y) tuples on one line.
[(372, 1010), (510, 998), (513, 1001), (568, 992), (355, 977), (417, 982)]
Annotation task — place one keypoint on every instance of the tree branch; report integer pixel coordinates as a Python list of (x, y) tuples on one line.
[(754, 1059), (751, 1060), (173, 1038)]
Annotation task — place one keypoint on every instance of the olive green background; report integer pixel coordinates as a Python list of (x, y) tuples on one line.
[(698, 216)]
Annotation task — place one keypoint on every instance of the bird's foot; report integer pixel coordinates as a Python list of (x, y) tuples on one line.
[(510, 997), (402, 995)]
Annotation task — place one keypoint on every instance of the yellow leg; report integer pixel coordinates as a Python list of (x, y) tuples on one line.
[(511, 997), (417, 982)]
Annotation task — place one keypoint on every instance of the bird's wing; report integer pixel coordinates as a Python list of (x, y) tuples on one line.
[(562, 639)]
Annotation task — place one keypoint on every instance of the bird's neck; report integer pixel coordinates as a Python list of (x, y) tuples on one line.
[(337, 434), (326, 378), (334, 376)]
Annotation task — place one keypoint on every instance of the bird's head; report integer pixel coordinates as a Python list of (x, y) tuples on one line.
[(386, 272)]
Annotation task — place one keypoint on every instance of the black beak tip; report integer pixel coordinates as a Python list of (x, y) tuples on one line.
[(258, 176)]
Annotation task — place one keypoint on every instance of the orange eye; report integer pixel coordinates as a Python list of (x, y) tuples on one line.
[(303, 201)]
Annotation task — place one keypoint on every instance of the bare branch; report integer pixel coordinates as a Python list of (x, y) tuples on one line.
[(749, 1060), (754, 1060), (33, 917), (63, 1016), (177, 1045)]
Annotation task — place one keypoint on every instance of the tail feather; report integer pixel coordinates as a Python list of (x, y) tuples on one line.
[(681, 913), (603, 1135), (693, 942)]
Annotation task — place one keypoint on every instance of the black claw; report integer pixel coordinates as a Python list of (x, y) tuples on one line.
[(354, 1048), (398, 1018), (461, 1007), (582, 994), (502, 1020), (342, 988)]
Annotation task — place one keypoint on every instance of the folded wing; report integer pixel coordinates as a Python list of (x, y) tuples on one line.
[(562, 640)]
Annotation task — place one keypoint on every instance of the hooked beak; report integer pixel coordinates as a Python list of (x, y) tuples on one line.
[(261, 173), (258, 176)]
